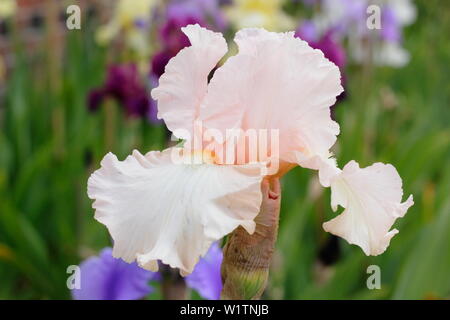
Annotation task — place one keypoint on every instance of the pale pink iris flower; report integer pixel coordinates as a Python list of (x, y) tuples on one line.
[(156, 208)]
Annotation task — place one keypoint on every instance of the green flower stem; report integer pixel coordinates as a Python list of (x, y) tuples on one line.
[(173, 286), (247, 258)]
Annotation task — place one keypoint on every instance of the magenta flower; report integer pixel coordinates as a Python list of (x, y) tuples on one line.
[(330, 47), (208, 11), (179, 14), (173, 41), (108, 278), (124, 85), (327, 43)]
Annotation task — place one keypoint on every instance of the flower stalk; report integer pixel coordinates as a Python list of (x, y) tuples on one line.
[(247, 258), (173, 285)]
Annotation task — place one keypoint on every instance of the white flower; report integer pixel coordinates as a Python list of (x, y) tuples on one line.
[(172, 205), (157, 210)]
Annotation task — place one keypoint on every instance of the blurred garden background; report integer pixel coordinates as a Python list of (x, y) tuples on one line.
[(67, 97)]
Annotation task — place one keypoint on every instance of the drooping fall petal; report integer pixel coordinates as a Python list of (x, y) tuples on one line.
[(156, 208), (372, 199), (184, 84)]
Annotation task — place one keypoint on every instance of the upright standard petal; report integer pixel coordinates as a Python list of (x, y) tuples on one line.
[(277, 82), (372, 200), (184, 84), (157, 208)]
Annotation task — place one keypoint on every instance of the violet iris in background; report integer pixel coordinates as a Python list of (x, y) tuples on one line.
[(108, 278), (208, 11), (392, 30), (123, 83), (206, 278), (347, 19)]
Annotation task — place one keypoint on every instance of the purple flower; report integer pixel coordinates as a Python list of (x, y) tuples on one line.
[(123, 84), (173, 40), (153, 116), (307, 31), (206, 278), (344, 17), (159, 62), (172, 37), (391, 29), (330, 47), (108, 278), (180, 13), (208, 11), (349, 17), (96, 98), (332, 50)]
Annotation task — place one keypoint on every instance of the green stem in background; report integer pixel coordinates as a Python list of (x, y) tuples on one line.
[(247, 258), (59, 129), (173, 285), (110, 110), (54, 42)]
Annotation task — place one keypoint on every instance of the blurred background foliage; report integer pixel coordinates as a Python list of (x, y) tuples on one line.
[(50, 143)]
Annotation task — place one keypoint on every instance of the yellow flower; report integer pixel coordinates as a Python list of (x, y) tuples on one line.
[(126, 14), (7, 8), (128, 11), (260, 13)]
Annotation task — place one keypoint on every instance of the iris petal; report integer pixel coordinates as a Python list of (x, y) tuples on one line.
[(184, 84), (156, 209), (372, 200)]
